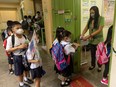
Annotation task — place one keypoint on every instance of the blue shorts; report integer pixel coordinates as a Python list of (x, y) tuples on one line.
[(18, 65)]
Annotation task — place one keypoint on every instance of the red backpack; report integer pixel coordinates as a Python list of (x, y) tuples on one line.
[(4, 45)]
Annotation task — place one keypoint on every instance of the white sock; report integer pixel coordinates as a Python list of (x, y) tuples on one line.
[(62, 82), (25, 78), (21, 83)]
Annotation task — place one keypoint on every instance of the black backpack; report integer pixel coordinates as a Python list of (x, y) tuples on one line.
[(3, 35), (25, 25)]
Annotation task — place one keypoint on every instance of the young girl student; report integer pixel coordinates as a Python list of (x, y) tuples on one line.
[(69, 48), (108, 46), (58, 37), (34, 58)]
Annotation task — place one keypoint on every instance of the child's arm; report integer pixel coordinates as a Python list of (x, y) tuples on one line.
[(75, 45), (33, 61)]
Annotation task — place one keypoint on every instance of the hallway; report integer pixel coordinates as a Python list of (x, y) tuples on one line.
[(50, 79)]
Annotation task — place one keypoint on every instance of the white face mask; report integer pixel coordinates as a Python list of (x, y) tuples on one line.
[(68, 40), (93, 15), (20, 31)]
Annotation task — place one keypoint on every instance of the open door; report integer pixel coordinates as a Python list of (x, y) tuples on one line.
[(66, 13)]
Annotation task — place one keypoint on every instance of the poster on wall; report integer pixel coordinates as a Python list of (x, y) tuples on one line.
[(85, 2), (109, 11)]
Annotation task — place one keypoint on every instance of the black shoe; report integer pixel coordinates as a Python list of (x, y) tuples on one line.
[(99, 69), (29, 81), (68, 80), (65, 84), (11, 71), (91, 67), (25, 85)]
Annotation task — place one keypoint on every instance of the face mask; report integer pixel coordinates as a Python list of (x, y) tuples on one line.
[(68, 40), (93, 15), (20, 31)]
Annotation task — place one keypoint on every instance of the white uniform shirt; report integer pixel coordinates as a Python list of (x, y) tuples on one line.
[(67, 47), (36, 57), (18, 41)]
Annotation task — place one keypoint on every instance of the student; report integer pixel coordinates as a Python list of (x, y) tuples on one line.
[(25, 25), (58, 37), (36, 63), (10, 58), (18, 51), (69, 48), (4, 34), (38, 16), (108, 45), (95, 25)]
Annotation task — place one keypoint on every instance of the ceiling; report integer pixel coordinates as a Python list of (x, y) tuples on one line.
[(9, 1)]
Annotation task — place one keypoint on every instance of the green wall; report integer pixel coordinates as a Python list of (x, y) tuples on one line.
[(67, 13)]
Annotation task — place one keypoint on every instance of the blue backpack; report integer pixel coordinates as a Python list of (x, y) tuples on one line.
[(57, 53)]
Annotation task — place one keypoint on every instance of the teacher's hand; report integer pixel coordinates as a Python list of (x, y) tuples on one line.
[(81, 37), (86, 37)]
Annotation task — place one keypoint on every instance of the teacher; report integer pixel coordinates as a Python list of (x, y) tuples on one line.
[(95, 25)]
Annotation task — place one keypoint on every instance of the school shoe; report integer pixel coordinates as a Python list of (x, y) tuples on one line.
[(25, 85), (29, 81), (68, 80), (64, 84), (104, 81), (11, 71), (91, 67)]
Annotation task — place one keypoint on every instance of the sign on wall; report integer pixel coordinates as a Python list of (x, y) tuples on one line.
[(109, 11)]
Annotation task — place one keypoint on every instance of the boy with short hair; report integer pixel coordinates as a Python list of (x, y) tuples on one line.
[(18, 51)]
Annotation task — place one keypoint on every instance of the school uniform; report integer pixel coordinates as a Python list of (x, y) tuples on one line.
[(68, 49), (17, 55), (36, 68)]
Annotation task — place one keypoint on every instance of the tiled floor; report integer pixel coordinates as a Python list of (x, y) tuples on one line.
[(50, 79)]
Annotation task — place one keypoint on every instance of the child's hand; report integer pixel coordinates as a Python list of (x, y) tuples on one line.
[(37, 61), (76, 44), (22, 46)]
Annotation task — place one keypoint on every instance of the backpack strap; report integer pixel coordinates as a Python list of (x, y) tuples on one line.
[(25, 36), (13, 40)]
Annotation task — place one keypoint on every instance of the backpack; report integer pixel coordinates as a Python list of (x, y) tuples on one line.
[(4, 35), (57, 53), (101, 53), (25, 24), (4, 45)]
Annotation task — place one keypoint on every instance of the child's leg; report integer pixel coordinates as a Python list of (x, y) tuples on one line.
[(62, 78), (37, 82), (10, 66), (10, 62), (105, 74), (106, 71)]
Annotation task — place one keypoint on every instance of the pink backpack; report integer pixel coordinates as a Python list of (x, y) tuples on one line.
[(101, 53)]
